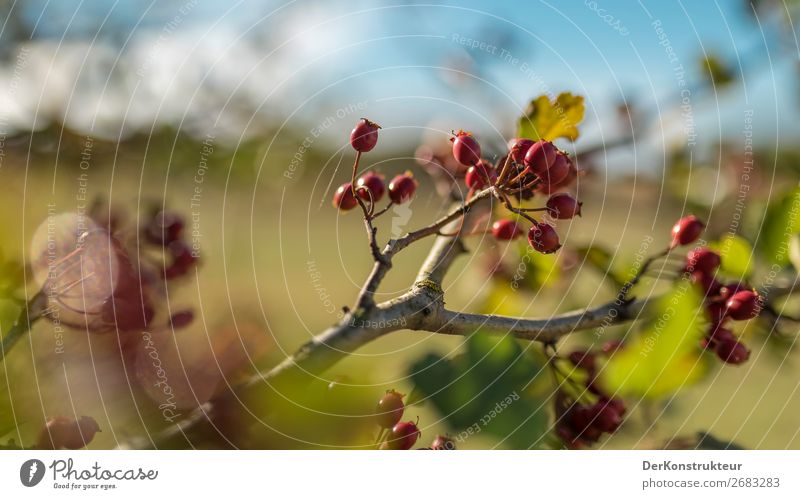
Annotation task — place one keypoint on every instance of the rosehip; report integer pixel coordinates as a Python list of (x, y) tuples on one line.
[(582, 359), (686, 231), (543, 238), (718, 333), (390, 409), (63, 433), (702, 260), (182, 259), (743, 305), (443, 443), (164, 228), (370, 186), (540, 157), (506, 230), (466, 149), (404, 435), (558, 171), (563, 206), (606, 418), (716, 311), (181, 319), (732, 351), (364, 136), (706, 282), (343, 198), (402, 188), (518, 148), (480, 175)]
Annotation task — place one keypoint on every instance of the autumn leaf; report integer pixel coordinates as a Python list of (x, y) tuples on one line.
[(552, 120)]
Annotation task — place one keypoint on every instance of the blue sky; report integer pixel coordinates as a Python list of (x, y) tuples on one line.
[(409, 61)]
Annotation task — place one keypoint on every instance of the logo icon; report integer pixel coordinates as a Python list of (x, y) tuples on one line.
[(31, 472)]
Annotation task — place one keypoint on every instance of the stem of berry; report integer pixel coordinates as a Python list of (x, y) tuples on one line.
[(32, 311)]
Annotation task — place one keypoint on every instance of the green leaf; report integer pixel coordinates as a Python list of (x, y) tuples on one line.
[(781, 222), (736, 254), (548, 120), (665, 356), (716, 70), (484, 391)]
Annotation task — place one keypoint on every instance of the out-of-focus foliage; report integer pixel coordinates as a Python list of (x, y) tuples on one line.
[(736, 254), (781, 222), (664, 356), (485, 389)]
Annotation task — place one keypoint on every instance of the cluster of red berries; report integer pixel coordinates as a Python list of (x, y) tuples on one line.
[(723, 302), (580, 425), (64, 433), (371, 186), (401, 435), (166, 229), (530, 166)]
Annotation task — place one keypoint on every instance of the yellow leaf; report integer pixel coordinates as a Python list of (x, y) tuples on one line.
[(552, 120), (736, 255)]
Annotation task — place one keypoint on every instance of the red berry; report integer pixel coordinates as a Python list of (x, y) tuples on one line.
[(480, 175), (686, 231), (466, 149), (716, 311), (64, 433), (732, 351), (390, 409), (702, 260), (543, 238), (164, 228), (370, 186), (404, 435), (606, 419), (706, 282), (718, 333), (182, 259), (402, 188), (731, 289), (518, 148), (582, 359), (181, 319), (743, 305), (506, 230), (443, 443), (558, 171), (364, 136), (540, 157), (563, 206), (343, 198)]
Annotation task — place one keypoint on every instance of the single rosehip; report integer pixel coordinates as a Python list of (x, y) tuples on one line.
[(582, 359), (480, 175), (518, 148), (64, 433), (466, 149), (364, 136), (702, 260), (707, 283), (686, 231), (732, 351), (164, 228), (181, 319), (402, 188), (390, 409), (540, 157), (743, 305), (718, 332), (543, 238), (182, 259), (731, 289), (606, 419), (558, 171), (562, 206), (370, 186), (403, 436), (343, 198), (506, 230), (716, 311), (443, 443)]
